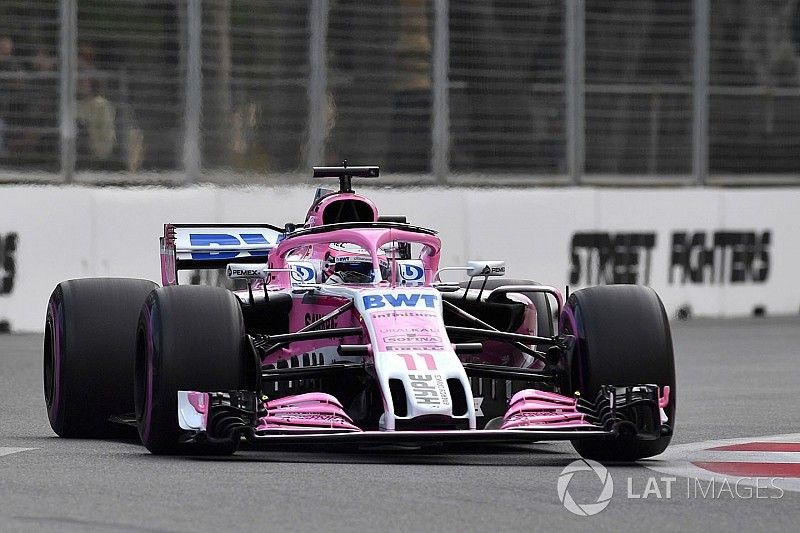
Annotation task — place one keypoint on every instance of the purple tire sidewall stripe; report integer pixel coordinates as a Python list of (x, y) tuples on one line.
[(56, 314), (568, 316), (148, 406)]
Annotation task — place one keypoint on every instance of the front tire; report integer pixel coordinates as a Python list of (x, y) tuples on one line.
[(623, 338), (189, 338), (89, 352)]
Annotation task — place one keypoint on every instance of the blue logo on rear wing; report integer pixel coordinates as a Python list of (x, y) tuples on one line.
[(222, 243), (229, 246)]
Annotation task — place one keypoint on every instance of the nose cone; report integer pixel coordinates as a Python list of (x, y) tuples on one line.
[(422, 380)]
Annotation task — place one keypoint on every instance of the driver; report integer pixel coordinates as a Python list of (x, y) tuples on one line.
[(352, 266)]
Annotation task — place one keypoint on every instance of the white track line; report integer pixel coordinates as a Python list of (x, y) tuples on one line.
[(677, 460), (745, 457), (8, 450)]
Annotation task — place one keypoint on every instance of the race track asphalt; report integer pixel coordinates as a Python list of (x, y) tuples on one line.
[(736, 378)]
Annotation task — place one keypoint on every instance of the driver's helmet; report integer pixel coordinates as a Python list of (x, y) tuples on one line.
[(349, 263)]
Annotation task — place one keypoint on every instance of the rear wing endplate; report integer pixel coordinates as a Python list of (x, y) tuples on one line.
[(207, 246)]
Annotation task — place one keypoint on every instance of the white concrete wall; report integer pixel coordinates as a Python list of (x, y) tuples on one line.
[(70, 232)]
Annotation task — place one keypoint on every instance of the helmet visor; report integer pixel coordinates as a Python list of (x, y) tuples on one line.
[(359, 270)]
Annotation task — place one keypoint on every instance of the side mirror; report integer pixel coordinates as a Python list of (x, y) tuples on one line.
[(300, 271), (245, 271), (486, 268)]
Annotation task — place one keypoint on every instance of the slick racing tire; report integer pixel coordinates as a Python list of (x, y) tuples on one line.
[(544, 319), (623, 338), (89, 352), (189, 338)]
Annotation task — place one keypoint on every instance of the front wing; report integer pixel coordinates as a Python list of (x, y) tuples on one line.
[(319, 418)]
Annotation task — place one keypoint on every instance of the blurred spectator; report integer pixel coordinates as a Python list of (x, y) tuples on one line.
[(96, 125), (36, 141), (248, 153), (6, 51), (411, 122), (42, 61), (86, 56), (134, 144), (10, 70)]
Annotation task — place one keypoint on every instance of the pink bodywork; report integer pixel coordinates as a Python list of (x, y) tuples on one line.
[(199, 401), (535, 409), (314, 215), (315, 410), (168, 261), (421, 340), (370, 239)]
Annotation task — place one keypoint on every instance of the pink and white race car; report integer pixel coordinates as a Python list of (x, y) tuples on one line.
[(340, 330)]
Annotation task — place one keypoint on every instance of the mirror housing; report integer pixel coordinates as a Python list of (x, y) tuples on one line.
[(486, 268), (245, 271), (300, 271)]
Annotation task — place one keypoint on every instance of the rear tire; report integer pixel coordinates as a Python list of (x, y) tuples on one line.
[(89, 352), (189, 338), (623, 338)]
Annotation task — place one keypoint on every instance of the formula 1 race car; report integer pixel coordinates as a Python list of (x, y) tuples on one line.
[(341, 330)]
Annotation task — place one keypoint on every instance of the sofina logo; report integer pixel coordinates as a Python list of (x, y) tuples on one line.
[(585, 509)]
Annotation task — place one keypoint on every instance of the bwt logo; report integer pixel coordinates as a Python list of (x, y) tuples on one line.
[(8, 265), (375, 301), (225, 240)]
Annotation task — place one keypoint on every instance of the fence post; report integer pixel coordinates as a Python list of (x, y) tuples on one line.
[(68, 75), (193, 97), (440, 114), (574, 58), (702, 55), (317, 83)]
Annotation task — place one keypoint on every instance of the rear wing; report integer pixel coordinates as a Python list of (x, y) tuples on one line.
[(208, 246)]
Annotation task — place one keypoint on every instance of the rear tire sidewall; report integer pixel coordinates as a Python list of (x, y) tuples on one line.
[(88, 357), (623, 338), (53, 364), (189, 338)]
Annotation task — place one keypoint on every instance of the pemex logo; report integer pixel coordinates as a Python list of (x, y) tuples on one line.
[(585, 509)]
